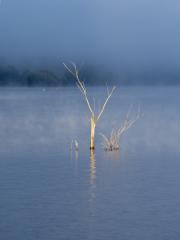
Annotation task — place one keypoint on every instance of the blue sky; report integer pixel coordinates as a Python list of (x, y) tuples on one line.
[(133, 31)]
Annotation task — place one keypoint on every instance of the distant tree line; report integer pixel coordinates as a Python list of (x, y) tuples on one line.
[(10, 76), (91, 75)]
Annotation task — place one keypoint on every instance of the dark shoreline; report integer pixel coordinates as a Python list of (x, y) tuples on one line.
[(10, 76)]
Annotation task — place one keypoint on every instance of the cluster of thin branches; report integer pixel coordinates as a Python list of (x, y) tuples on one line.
[(112, 143), (80, 84)]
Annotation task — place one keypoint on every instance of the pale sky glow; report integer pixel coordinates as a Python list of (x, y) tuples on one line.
[(137, 31)]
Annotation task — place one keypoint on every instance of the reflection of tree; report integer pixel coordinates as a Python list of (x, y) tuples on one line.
[(76, 154), (92, 182), (92, 168), (92, 195), (112, 155)]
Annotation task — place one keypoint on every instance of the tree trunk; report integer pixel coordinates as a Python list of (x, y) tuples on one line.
[(93, 126)]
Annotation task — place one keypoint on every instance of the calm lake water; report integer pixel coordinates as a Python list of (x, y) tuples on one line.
[(48, 192)]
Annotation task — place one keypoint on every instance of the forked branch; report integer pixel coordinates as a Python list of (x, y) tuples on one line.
[(80, 84), (109, 94)]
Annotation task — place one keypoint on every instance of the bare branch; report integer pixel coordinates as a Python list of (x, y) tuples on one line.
[(128, 123), (80, 84), (113, 141), (107, 89), (69, 70), (105, 103), (105, 138), (92, 108)]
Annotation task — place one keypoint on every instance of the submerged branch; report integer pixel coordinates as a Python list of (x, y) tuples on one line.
[(112, 142)]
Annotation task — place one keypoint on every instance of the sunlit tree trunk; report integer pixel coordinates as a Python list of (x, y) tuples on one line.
[(94, 117), (93, 127)]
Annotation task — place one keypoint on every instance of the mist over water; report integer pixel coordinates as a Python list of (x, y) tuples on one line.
[(50, 192)]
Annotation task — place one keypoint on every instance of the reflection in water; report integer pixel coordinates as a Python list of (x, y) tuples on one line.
[(76, 154), (96, 197), (92, 195), (92, 181), (112, 155), (92, 167)]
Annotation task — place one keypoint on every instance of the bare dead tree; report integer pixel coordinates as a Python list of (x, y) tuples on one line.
[(112, 142), (94, 117)]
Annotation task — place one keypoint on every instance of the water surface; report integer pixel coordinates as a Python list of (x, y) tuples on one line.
[(49, 192)]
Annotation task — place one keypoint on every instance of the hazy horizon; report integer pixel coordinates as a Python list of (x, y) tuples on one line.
[(90, 152)]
